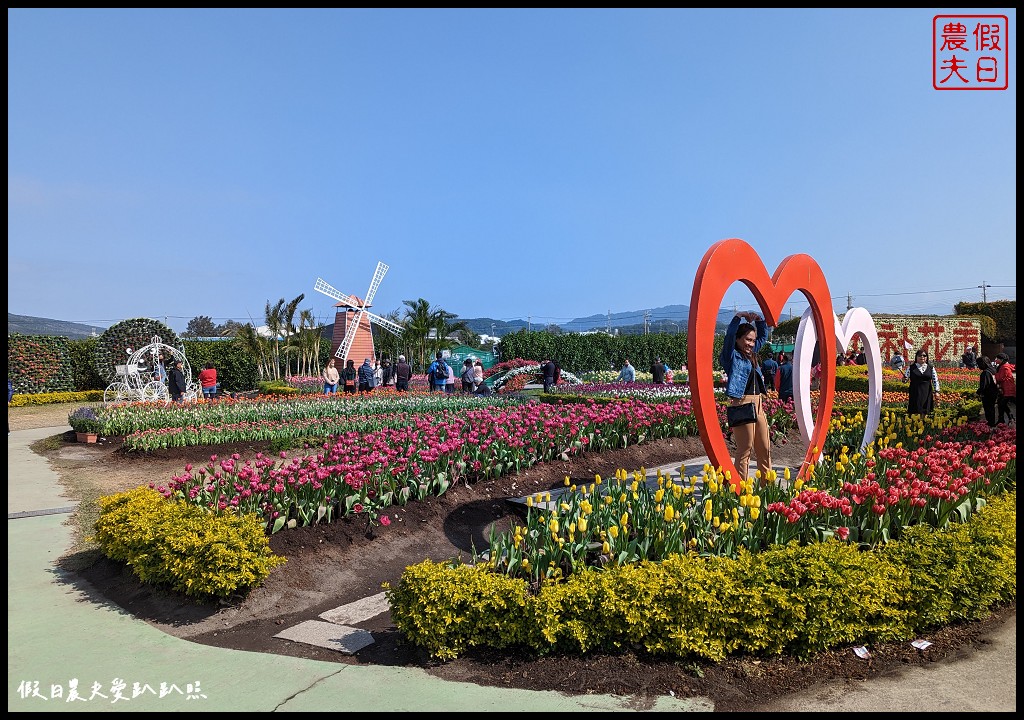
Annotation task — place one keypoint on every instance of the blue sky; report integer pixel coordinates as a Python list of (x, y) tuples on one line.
[(175, 163)]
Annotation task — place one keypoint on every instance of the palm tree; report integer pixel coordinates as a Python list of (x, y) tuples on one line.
[(288, 318), (388, 344), (419, 321), (274, 317), (309, 338), (258, 347)]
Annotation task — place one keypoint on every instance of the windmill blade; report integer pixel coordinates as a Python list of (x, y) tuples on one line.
[(378, 275), (350, 335), (331, 292), (385, 323)]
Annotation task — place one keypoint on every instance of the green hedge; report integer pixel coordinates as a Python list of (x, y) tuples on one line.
[(1003, 314), (583, 353), (796, 600)]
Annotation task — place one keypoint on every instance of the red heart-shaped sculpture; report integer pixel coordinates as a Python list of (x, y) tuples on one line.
[(733, 260)]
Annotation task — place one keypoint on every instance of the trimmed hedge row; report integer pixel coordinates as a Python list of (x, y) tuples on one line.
[(796, 600)]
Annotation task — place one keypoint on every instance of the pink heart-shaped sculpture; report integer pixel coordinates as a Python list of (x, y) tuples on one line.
[(733, 260), (856, 323)]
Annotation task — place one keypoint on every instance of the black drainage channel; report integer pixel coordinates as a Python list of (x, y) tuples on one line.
[(36, 513)]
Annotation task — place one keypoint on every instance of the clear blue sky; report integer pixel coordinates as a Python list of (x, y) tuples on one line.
[(175, 163)]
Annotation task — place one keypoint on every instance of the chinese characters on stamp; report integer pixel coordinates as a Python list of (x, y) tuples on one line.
[(970, 52)]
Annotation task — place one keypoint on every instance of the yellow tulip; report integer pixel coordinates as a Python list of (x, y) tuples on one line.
[(659, 494), (754, 513), (553, 526), (670, 513), (529, 501), (567, 481), (624, 520), (613, 530), (581, 525), (606, 549), (716, 521)]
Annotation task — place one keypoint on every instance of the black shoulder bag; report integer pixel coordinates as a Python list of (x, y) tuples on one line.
[(744, 414)]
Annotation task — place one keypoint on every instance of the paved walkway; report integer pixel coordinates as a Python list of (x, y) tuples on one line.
[(68, 651), (58, 637)]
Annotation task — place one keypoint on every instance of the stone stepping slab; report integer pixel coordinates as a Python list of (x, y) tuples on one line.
[(335, 631)]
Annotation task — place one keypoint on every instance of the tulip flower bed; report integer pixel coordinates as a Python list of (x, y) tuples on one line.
[(364, 472), (913, 475), (522, 375), (637, 390), (148, 426)]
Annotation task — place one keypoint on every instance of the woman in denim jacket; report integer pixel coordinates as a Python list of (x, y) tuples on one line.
[(746, 384)]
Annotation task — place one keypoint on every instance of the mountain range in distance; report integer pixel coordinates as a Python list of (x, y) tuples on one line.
[(667, 319), (28, 325)]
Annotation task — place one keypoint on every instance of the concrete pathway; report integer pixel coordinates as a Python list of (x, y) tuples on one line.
[(68, 651)]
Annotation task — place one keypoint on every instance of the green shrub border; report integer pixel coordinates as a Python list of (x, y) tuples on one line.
[(796, 600), (182, 547)]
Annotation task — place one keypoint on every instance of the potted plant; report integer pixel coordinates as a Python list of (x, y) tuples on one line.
[(86, 424)]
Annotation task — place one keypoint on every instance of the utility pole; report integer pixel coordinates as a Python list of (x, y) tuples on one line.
[(984, 295), (647, 317), (609, 328), (849, 301), (529, 323)]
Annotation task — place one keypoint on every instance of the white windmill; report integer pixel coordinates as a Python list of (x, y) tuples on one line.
[(352, 322)]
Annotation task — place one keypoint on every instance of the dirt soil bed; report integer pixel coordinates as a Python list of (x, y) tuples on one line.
[(330, 565)]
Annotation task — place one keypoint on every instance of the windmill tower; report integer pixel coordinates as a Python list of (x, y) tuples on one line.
[(352, 333)]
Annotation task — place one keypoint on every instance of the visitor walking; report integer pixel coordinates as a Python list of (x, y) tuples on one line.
[(208, 381), (403, 374), (478, 374), (331, 377), (349, 376), (437, 374), (988, 390), (547, 370), (897, 362), (1005, 378), (924, 385), (468, 383), (449, 384), (768, 369), (627, 374), (969, 359), (387, 373), (176, 381), (785, 378), (658, 371), (367, 376), (746, 335)]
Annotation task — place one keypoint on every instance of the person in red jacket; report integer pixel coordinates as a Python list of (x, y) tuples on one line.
[(208, 379), (1007, 382)]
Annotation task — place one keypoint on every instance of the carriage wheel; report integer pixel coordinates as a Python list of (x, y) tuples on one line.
[(155, 391), (116, 392)]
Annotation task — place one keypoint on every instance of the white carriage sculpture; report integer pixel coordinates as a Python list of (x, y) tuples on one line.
[(139, 380)]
